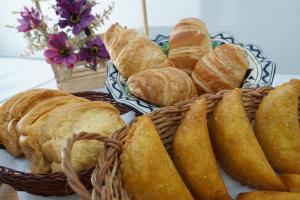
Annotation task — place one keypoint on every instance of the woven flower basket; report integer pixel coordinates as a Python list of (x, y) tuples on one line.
[(53, 184), (107, 176)]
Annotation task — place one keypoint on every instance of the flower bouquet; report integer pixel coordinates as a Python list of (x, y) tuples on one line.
[(69, 41)]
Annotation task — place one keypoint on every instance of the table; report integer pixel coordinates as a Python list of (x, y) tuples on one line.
[(19, 74)]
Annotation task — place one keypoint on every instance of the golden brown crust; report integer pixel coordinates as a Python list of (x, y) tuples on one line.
[(4, 115), (96, 116), (189, 42), (132, 52), (163, 87), (194, 157), (236, 146), (147, 170), (223, 68), (267, 195), (30, 128), (20, 108), (277, 127), (292, 182)]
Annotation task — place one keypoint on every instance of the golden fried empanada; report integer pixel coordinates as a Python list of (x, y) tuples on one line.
[(292, 182), (236, 146), (277, 127), (147, 170), (194, 157), (267, 195)]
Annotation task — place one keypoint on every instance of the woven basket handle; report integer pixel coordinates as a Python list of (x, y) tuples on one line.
[(71, 175)]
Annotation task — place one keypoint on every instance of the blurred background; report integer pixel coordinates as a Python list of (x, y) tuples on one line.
[(273, 25)]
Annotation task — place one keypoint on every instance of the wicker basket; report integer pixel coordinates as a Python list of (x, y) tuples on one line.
[(107, 176), (53, 183)]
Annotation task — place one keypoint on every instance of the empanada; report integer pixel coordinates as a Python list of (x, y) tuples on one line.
[(194, 157), (277, 127), (236, 146), (95, 116), (292, 182), (30, 127), (267, 195), (147, 170), (20, 108), (165, 86)]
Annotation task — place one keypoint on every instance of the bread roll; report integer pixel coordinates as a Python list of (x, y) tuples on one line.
[(194, 157), (96, 116), (147, 170), (163, 87), (236, 147), (189, 42), (132, 52), (30, 127), (223, 68), (277, 127), (20, 108)]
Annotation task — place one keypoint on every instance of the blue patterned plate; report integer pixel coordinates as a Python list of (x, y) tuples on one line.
[(261, 72)]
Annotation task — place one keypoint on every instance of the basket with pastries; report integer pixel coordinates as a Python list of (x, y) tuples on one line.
[(172, 152)]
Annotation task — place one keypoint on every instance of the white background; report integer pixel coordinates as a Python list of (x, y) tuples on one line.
[(273, 25)]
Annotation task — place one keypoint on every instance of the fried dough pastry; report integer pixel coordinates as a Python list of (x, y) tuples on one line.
[(194, 157), (147, 170), (236, 146), (30, 127), (292, 182), (277, 127), (267, 195), (95, 116), (20, 108)]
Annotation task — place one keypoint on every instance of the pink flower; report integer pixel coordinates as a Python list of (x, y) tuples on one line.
[(30, 19), (59, 52)]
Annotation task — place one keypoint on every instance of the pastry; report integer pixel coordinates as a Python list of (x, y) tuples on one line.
[(20, 108), (194, 157), (4, 116), (147, 170), (189, 42), (96, 116), (30, 127), (266, 195), (277, 127), (163, 87), (292, 182), (132, 52), (222, 68), (236, 146)]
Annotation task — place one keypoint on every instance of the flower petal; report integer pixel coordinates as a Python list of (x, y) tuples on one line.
[(71, 59), (50, 53), (76, 29)]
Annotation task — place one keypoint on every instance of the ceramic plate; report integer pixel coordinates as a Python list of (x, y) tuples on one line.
[(261, 72)]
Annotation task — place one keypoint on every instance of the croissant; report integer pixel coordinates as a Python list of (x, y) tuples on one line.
[(223, 68), (95, 116), (189, 42), (292, 181), (237, 148), (132, 52), (165, 86), (277, 127), (266, 195), (20, 108), (194, 157), (30, 127), (147, 170)]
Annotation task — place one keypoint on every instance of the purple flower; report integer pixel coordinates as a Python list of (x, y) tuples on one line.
[(76, 14), (30, 19), (95, 49), (59, 52)]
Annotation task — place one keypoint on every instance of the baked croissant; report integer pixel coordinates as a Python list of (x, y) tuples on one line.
[(292, 182), (277, 127), (222, 68), (165, 86), (236, 147), (147, 170), (132, 52), (189, 42), (268, 195)]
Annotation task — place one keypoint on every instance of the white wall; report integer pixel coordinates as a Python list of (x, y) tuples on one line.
[(271, 24)]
